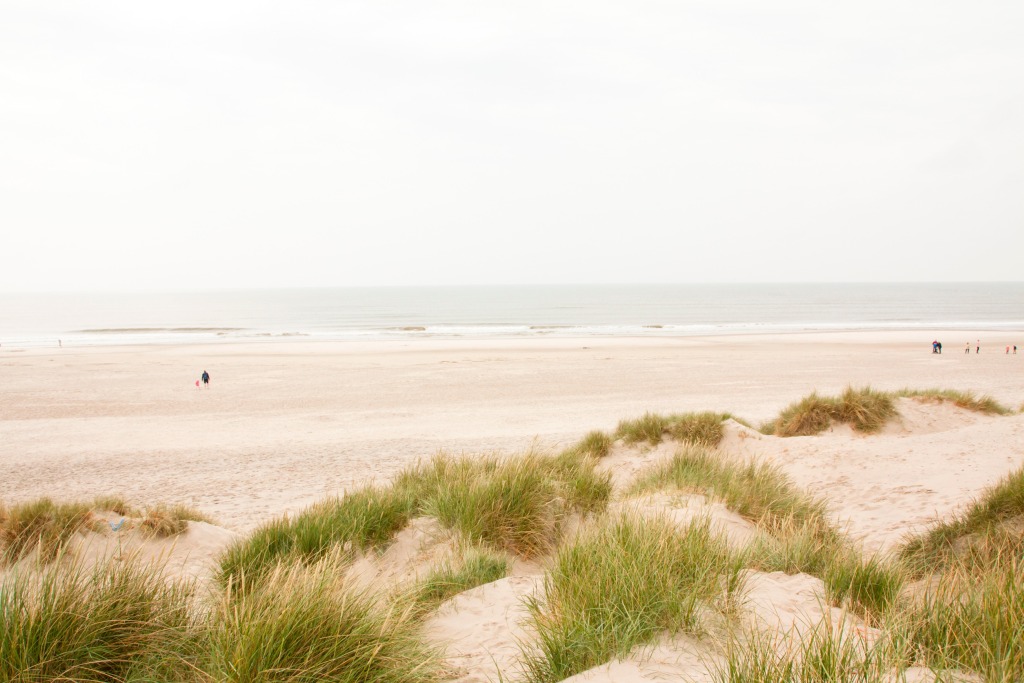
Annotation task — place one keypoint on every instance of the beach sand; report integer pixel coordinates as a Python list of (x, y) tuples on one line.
[(285, 424)]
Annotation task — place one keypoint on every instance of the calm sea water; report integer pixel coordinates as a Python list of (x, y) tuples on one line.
[(31, 320)]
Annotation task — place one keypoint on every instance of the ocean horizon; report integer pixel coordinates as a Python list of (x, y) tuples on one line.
[(382, 313)]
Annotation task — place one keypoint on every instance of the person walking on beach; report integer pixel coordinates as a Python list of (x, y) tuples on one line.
[(206, 378), (977, 349), (939, 344), (967, 349)]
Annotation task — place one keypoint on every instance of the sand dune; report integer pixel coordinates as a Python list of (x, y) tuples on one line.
[(287, 424)]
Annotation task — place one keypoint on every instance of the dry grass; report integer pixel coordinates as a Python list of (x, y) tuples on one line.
[(866, 410), (701, 429), (170, 520), (962, 399), (42, 526)]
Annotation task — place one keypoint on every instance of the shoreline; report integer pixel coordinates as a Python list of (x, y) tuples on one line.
[(991, 339)]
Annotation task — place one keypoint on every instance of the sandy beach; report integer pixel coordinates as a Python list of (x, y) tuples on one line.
[(284, 424)]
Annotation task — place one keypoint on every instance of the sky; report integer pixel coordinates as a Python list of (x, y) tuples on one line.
[(194, 145)]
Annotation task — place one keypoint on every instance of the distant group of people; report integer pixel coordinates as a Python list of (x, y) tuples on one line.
[(937, 347)]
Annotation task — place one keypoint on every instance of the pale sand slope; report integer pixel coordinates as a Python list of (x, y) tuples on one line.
[(285, 424)]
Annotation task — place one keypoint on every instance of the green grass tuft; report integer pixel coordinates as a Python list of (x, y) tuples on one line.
[(596, 444), (300, 625), (622, 584), (360, 520), (757, 491), (474, 567), (973, 623), (65, 624), (990, 529), (871, 586), (650, 428)]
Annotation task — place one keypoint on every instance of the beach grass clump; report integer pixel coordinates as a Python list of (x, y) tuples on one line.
[(972, 622), (360, 520), (301, 625), (649, 428), (63, 623), (515, 508), (116, 504), (865, 409), (702, 429), (473, 566), (516, 505), (758, 491), (513, 504), (871, 585), (40, 525), (596, 444), (962, 399), (981, 536), (170, 520), (828, 654), (623, 583)]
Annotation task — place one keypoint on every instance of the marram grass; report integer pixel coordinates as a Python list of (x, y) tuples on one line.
[(623, 583), (362, 519), (865, 409), (517, 505), (971, 623), (830, 653), (757, 491), (302, 626), (963, 399), (171, 520), (473, 566), (701, 429), (40, 525), (65, 623), (983, 535)]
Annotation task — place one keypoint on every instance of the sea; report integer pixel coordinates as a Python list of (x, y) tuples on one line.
[(526, 311)]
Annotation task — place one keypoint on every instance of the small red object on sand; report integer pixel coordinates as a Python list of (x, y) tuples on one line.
[(197, 384)]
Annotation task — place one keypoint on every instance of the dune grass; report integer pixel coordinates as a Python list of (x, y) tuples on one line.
[(596, 444), (757, 491), (984, 534), (474, 566), (831, 653), (962, 399), (63, 623), (702, 429), (40, 525), (170, 520), (300, 625), (363, 519), (971, 622), (516, 505), (622, 584), (798, 538), (865, 409), (116, 504)]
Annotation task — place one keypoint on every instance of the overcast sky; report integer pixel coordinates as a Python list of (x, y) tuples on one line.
[(254, 144)]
